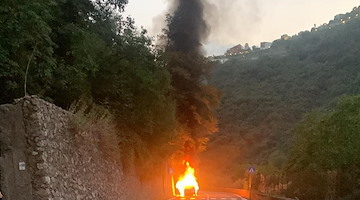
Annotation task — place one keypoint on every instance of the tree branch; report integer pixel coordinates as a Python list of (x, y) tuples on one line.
[(27, 69)]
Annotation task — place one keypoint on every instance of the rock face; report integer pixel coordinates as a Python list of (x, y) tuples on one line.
[(59, 163)]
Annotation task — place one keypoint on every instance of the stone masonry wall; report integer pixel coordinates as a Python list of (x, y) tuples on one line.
[(64, 165)]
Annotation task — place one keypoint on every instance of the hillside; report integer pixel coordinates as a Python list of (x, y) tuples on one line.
[(266, 93)]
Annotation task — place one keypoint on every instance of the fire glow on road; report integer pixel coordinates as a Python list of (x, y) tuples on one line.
[(207, 195)]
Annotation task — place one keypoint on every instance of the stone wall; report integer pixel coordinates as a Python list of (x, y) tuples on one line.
[(14, 183), (60, 163)]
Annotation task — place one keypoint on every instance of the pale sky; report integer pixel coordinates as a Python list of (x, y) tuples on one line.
[(235, 22)]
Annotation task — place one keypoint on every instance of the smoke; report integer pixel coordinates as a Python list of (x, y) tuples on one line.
[(233, 21), (187, 27), (220, 23)]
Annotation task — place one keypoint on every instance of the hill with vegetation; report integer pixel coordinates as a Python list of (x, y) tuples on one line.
[(266, 93)]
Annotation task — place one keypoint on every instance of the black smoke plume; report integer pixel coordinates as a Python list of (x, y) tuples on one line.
[(189, 69), (187, 27)]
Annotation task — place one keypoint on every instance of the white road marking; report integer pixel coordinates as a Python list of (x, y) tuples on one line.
[(242, 198)]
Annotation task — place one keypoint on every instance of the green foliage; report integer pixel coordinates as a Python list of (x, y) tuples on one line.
[(24, 26), (328, 142)]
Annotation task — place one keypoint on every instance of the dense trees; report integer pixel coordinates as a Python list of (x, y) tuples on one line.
[(327, 144), (25, 29), (61, 34)]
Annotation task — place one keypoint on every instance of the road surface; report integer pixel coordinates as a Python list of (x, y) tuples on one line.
[(204, 195)]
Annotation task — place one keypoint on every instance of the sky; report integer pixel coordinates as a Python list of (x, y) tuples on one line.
[(235, 22)]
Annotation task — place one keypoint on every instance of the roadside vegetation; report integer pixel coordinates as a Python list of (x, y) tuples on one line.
[(324, 161)]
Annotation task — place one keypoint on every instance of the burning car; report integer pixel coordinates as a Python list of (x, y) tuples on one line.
[(187, 184)]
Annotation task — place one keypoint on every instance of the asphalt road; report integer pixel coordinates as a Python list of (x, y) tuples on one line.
[(205, 195)]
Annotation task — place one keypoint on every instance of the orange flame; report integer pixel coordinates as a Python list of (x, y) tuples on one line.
[(187, 181)]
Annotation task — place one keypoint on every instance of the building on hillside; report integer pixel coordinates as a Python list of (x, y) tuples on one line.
[(265, 45), (238, 50)]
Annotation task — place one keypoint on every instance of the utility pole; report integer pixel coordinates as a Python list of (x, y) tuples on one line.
[(250, 185)]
